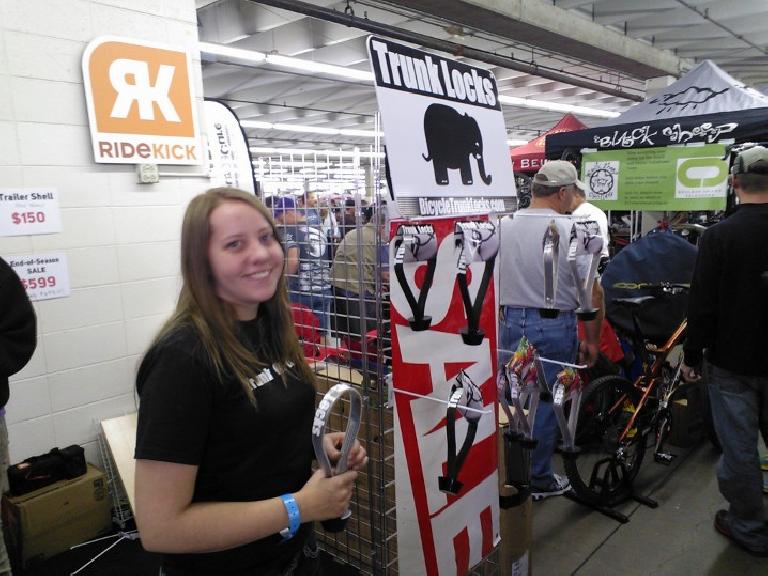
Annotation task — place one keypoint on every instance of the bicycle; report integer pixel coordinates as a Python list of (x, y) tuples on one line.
[(617, 416)]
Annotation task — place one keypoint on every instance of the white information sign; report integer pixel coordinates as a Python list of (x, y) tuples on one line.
[(446, 140), (29, 211), (45, 276)]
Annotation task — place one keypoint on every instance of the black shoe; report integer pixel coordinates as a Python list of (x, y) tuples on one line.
[(559, 485), (723, 525)]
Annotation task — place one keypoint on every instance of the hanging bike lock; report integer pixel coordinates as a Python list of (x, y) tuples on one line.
[(474, 240), (416, 243), (322, 415), (464, 392)]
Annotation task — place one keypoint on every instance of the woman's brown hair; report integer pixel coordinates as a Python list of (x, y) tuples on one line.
[(214, 320)]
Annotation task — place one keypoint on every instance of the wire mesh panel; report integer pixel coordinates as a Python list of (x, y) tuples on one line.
[(121, 508), (338, 264)]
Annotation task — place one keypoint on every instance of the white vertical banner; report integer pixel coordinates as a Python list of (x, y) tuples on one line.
[(229, 158), (29, 211), (44, 276)]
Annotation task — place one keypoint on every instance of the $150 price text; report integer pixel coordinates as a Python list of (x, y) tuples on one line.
[(28, 217)]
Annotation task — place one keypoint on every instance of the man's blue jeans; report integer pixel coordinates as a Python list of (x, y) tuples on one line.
[(739, 405), (554, 339)]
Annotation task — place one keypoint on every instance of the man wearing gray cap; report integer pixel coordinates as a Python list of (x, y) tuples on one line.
[(521, 295), (727, 336)]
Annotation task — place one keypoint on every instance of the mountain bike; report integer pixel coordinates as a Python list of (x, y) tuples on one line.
[(618, 418)]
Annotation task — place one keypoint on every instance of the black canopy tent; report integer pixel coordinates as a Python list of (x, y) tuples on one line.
[(706, 105)]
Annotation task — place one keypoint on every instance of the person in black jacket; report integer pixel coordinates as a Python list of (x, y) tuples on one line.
[(18, 339), (727, 338)]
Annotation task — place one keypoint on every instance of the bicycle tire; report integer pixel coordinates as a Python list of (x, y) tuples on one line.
[(601, 471)]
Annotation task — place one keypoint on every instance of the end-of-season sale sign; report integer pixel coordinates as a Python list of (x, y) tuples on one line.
[(669, 178), (29, 211), (44, 276), (141, 105), (446, 139), (444, 341)]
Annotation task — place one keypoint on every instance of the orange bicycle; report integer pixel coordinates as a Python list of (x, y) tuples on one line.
[(618, 418)]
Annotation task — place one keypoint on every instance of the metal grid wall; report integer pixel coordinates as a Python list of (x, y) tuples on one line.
[(355, 349)]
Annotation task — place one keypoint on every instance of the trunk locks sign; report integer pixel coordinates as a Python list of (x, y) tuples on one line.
[(140, 103), (446, 140)]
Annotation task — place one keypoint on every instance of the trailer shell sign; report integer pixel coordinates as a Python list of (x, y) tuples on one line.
[(141, 105)]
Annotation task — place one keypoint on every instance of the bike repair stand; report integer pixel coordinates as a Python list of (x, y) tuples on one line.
[(571, 392)]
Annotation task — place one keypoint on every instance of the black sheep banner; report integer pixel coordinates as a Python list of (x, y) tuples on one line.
[(446, 140)]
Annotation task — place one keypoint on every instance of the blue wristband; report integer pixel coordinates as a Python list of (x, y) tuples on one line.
[(294, 516)]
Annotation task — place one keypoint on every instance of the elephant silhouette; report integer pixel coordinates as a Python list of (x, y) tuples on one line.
[(452, 138)]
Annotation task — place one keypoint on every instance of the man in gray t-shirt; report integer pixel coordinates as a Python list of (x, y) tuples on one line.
[(521, 295)]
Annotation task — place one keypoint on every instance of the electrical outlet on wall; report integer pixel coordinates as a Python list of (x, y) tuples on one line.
[(147, 174)]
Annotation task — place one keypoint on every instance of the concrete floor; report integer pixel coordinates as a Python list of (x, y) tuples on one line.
[(677, 538)]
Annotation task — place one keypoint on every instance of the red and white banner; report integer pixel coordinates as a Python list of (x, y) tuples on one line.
[(440, 533)]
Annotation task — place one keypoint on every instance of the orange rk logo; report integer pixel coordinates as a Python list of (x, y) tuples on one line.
[(138, 89)]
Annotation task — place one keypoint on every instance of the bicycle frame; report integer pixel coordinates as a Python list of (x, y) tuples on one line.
[(647, 381)]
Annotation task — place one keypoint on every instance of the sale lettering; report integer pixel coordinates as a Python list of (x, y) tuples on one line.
[(43, 276)]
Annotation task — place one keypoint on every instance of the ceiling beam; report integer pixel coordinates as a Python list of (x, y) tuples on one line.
[(549, 27), (445, 45)]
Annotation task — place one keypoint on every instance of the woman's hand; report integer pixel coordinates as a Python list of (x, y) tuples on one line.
[(324, 498), (356, 459)]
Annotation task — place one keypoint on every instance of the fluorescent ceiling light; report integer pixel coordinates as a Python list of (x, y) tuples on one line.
[(310, 129), (366, 76), (235, 38), (516, 142), (556, 107), (229, 51), (312, 66), (256, 124), (318, 153), (285, 61)]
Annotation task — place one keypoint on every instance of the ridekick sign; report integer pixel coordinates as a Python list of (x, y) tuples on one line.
[(141, 108), (459, 163)]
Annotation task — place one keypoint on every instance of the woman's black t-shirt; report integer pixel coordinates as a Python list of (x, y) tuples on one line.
[(243, 453)]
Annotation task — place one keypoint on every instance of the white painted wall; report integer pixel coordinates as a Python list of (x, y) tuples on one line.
[(121, 238)]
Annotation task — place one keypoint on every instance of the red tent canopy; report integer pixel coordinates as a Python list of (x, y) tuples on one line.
[(529, 157)]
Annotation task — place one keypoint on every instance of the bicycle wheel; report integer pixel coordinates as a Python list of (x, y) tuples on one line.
[(602, 469)]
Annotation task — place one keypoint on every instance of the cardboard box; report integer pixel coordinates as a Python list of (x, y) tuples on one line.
[(49, 521)]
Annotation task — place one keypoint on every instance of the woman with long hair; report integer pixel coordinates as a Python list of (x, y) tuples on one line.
[(224, 483)]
